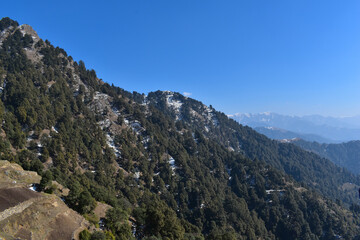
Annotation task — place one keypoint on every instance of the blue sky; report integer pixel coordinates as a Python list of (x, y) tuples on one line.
[(292, 57)]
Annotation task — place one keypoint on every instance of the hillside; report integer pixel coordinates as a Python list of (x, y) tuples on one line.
[(305, 167), (171, 167), (345, 155), (18, 204)]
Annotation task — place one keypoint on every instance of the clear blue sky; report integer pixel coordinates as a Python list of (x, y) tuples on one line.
[(292, 57)]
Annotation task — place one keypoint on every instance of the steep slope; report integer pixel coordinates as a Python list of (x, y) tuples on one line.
[(345, 155), (165, 163), (309, 168), (25, 214)]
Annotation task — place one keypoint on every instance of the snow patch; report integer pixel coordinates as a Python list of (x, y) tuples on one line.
[(174, 104), (172, 164), (273, 190), (137, 175), (54, 129), (116, 111), (209, 115), (111, 144), (33, 188), (136, 127), (99, 96), (104, 123)]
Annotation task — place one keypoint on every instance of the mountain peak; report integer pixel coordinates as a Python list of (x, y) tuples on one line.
[(27, 29)]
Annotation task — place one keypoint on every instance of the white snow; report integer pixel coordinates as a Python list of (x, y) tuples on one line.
[(136, 127), (54, 129), (210, 116), (104, 123), (145, 102), (32, 188), (110, 143), (173, 103), (145, 141), (172, 164), (99, 95), (116, 111), (231, 149), (273, 190)]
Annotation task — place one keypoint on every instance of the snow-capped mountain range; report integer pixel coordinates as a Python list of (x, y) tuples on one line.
[(329, 129)]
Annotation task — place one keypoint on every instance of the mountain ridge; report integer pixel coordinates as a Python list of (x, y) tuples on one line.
[(342, 154), (334, 129), (282, 134), (181, 169)]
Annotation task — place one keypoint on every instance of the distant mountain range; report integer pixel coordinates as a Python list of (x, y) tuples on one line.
[(312, 128), (166, 165), (281, 134)]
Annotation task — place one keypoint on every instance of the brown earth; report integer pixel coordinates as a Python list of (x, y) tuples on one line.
[(10, 197), (12, 175), (101, 209), (25, 214)]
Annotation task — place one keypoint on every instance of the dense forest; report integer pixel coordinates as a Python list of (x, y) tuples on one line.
[(170, 167), (305, 167), (345, 154)]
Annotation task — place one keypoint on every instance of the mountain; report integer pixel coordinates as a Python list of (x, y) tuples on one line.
[(303, 166), (331, 129), (346, 154), (280, 134), (18, 202), (168, 166)]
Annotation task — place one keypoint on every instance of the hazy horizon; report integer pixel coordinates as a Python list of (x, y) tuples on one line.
[(293, 115)]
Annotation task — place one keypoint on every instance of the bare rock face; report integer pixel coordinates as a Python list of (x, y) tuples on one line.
[(31, 52), (27, 29), (27, 214)]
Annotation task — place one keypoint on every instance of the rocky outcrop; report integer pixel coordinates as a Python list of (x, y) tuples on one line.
[(26, 214)]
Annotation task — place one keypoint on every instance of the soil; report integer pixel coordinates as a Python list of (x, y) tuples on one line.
[(25, 214), (10, 197)]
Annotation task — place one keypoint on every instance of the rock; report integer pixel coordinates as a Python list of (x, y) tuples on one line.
[(25, 214)]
